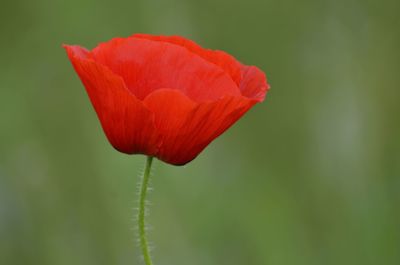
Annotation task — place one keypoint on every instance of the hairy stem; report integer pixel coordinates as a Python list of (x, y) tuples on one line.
[(142, 212)]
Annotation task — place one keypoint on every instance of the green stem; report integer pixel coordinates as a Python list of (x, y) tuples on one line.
[(142, 212)]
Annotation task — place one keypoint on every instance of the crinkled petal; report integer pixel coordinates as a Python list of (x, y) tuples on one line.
[(147, 65), (188, 127), (223, 60), (251, 80), (128, 125), (254, 83)]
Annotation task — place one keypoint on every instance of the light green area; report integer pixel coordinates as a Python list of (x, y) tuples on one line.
[(309, 177), (143, 212)]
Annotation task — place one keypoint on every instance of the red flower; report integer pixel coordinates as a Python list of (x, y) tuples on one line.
[(165, 96)]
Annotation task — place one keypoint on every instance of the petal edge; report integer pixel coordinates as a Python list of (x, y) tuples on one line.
[(128, 125)]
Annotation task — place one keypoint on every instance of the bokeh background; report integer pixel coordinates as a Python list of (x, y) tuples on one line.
[(311, 176)]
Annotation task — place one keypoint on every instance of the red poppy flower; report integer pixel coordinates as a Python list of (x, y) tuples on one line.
[(165, 96)]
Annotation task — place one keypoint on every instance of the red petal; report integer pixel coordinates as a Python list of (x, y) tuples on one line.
[(254, 83), (188, 127), (251, 80), (129, 126), (147, 65), (223, 60)]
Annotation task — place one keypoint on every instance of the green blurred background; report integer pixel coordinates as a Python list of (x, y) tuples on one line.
[(311, 176)]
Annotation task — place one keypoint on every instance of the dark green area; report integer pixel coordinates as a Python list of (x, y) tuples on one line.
[(309, 177)]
